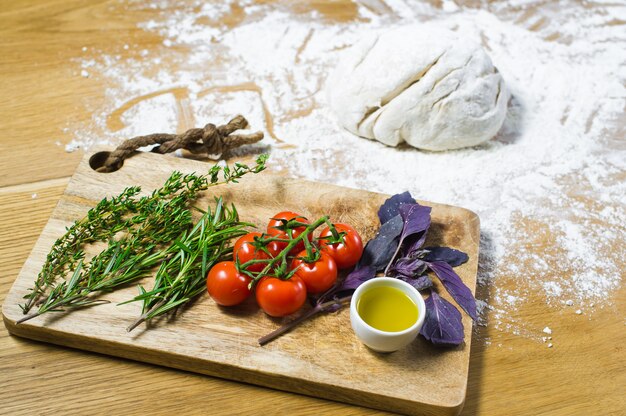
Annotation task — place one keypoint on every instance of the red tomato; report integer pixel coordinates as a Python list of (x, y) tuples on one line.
[(245, 250), (295, 232), (348, 253), (318, 276), (280, 297), (226, 285)]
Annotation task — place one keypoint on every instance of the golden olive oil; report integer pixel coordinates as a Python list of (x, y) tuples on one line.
[(387, 309)]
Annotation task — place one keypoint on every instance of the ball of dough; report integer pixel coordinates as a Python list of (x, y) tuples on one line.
[(419, 84)]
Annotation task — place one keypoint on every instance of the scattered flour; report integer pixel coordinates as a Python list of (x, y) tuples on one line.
[(549, 189)]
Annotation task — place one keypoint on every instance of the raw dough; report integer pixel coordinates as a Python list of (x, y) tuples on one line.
[(419, 84)]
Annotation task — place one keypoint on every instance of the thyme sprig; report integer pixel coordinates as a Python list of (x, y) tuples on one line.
[(145, 224), (101, 223)]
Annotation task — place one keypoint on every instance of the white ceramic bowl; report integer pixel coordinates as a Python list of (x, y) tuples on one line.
[(383, 341)]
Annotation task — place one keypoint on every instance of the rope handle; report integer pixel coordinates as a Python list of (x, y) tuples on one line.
[(209, 140)]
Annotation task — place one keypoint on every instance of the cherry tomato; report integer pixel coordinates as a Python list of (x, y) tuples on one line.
[(318, 276), (280, 297), (348, 253), (295, 232), (245, 250), (226, 285)]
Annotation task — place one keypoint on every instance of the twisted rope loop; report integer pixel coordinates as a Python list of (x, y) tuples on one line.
[(209, 140)]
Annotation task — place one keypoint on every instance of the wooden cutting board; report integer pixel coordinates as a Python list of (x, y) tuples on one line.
[(320, 358)]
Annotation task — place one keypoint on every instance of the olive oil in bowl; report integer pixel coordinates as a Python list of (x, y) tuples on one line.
[(386, 314), (387, 309)]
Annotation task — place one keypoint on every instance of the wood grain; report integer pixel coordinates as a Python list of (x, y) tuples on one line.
[(321, 358), (42, 93), (78, 382), (40, 84)]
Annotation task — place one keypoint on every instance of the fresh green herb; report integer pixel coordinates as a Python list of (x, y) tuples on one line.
[(182, 276), (145, 224), (101, 223)]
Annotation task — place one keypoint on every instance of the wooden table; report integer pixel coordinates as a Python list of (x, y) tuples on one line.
[(41, 93)]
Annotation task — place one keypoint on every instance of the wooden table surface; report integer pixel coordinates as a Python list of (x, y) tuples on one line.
[(41, 93)]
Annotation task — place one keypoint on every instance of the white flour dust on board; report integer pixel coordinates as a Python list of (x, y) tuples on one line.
[(551, 182)]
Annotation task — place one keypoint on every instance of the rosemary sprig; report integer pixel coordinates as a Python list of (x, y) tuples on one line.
[(101, 223), (118, 270), (145, 223), (109, 218), (183, 275)]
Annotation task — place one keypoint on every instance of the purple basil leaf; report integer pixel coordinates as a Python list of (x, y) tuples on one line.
[(442, 324), (407, 267), (413, 245), (389, 209), (449, 255), (416, 219), (378, 251), (421, 283), (455, 286), (376, 255), (356, 277)]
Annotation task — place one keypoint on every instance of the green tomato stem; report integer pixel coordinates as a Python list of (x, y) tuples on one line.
[(282, 256)]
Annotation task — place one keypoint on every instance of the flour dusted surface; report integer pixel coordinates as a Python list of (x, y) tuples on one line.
[(549, 189)]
